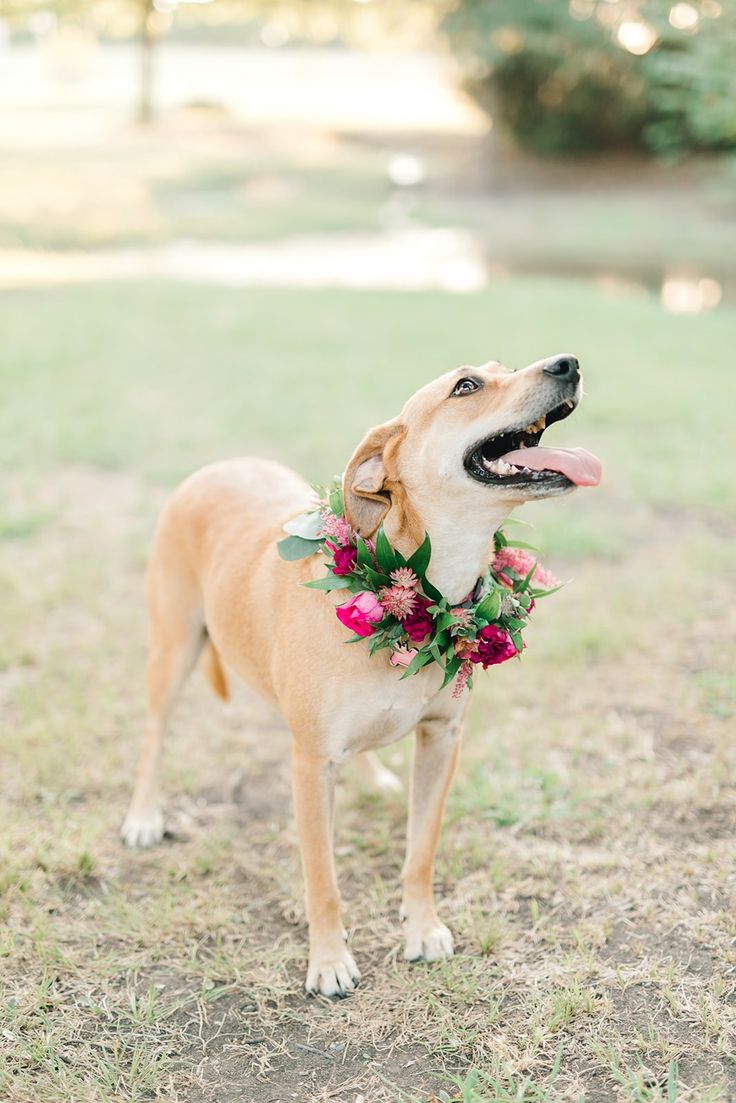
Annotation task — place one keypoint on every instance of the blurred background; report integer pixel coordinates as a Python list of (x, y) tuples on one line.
[(231, 227)]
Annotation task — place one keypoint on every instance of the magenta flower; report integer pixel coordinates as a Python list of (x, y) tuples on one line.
[(519, 560), (419, 623), (397, 601), (344, 558), (493, 646), (362, 613)]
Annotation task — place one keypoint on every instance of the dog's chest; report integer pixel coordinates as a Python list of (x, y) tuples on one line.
[(382, 710)]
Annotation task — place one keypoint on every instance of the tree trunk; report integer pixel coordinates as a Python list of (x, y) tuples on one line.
[(147, 41)]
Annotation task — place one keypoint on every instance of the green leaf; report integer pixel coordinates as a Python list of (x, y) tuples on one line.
[(375, 577), (336, 502), (385, 553), (451, 670), (521, 544), (444, 620), (420, 659), (431, 591), (419, 561), (306, 525), (295, 547), (490, 606), (365, 559), (546, 593), (330, 582)]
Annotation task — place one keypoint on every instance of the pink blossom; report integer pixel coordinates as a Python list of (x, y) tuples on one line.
[(361, 613), (419, 623), (520, 561), (397, 601), (402, 656), (493, 646), (404, 576), (344, 558), (337, 527), (463, 617), (461, 680)]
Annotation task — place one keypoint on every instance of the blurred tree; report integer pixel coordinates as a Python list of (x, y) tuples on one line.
[(585, 75), (273, 22)]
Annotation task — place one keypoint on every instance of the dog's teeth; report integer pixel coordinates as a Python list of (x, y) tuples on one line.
[(570, 404)]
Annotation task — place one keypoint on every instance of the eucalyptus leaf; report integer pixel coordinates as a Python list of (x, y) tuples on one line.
[(306, 525), (295, 547)]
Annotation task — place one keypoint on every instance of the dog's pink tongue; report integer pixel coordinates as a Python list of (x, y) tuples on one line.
[(580, 466)]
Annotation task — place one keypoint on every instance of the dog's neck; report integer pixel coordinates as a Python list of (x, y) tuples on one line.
[(461, 549)]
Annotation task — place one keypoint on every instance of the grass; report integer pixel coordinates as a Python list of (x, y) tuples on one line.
[(586, 865)]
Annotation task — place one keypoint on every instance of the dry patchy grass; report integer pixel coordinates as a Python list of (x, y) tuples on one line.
[(586, 866)]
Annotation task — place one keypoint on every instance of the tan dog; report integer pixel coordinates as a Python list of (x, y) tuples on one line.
[(216, 582)]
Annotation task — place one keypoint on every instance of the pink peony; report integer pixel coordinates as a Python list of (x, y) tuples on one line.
[(419, 623), (345, 558), (361, 613), (402, 656), (493, 646), (519, 560), (398, 601)]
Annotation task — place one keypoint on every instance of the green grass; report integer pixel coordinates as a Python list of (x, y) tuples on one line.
[(586, 862)]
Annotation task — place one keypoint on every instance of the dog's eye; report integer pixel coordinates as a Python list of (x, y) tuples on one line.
[(465, 386)]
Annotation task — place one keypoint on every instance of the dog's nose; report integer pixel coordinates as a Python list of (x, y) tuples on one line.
[(565, 368)]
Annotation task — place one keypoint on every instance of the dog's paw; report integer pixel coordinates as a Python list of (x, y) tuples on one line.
[(334, 974), (429, 941), (141, 830)]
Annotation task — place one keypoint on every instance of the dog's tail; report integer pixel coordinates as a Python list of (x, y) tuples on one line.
[(214, 672)]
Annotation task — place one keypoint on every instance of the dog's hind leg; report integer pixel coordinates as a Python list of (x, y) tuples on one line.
[(177, 636)]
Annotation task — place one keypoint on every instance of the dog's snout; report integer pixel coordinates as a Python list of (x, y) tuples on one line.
[(565, 368)]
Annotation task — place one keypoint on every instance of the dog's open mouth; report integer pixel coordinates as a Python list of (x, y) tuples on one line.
[(514, 458)]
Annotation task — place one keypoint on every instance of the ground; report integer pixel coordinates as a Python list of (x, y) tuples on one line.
[(587, 861)]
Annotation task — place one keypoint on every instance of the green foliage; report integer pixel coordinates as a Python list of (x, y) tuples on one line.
[(555, 74)]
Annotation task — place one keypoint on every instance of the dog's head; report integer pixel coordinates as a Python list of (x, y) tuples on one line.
[(469, 443)]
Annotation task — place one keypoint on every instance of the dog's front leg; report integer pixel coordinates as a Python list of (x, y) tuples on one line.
[(436, 749), (331, 970)]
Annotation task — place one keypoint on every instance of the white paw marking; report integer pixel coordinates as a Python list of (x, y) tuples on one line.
[(428, 942), (333, 974), (141, 830)]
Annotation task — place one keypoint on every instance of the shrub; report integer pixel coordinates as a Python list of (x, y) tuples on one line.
[(565, 75)]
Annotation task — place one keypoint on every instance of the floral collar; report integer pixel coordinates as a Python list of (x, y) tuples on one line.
[(394, 605)]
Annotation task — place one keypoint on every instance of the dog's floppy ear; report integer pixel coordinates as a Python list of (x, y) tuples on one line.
[(366, 497)]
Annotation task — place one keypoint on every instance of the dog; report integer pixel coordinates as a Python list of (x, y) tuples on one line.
[(218, 591)]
